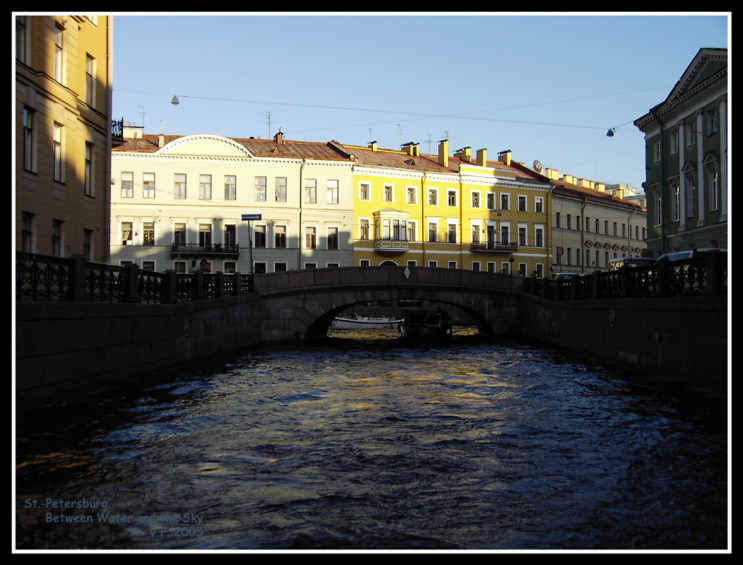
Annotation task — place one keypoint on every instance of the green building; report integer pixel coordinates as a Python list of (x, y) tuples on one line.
[(686, 147)]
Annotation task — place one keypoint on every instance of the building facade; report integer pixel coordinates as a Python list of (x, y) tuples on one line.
[(460, 211), (686, 159), (591, 226), (230, 205), (63, 77)]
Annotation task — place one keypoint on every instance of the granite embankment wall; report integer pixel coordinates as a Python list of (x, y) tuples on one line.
[(675, 338), (63, 348)]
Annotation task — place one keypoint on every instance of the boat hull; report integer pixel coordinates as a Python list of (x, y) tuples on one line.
[(365, 323)]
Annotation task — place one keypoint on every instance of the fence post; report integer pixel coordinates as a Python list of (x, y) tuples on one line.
[(131, 275), (171, 286), (237, 286), (596, 290), (79, 290), (661, 277), (712, 263)]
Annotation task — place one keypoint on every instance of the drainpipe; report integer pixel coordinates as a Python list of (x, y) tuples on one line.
[(301, 196), (424, 178), (584, 259), (662, 188)]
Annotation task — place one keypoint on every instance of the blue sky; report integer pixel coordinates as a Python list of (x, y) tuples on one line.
[(547, 87)]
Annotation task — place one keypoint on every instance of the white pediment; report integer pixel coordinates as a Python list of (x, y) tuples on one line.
[(205, 145)]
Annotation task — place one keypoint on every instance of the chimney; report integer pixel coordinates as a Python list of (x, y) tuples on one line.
[(411, 148), (161, 140), (552, 174), (444, 152), (373, 145), (279, 137), (465, 154), (505, 156), (482, 159), (600, 186)]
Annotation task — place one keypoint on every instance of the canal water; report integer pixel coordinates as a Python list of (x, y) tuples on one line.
[(375, 443)]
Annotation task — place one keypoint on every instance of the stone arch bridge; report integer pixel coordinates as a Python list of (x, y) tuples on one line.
[(301, 305)]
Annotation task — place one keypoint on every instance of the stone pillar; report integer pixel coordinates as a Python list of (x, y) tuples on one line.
[(131, 276)]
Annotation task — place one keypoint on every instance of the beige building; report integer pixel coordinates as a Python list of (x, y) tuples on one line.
[(238, 205), (591, 226), (63, 136)]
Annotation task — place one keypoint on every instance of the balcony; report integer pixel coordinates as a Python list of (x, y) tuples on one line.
[(385, 246), (211, 250), (493, 247)]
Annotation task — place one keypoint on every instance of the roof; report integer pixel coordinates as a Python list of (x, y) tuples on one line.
[(150, 143), (563, 188)]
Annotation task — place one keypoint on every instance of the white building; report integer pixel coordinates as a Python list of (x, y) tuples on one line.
[(176, 200)]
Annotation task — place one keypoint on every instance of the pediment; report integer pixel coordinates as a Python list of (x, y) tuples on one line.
[(205, 145)]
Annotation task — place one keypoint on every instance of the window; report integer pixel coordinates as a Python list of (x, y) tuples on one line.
[(522, 204), (656, 151), (433, 196), (433, 230), (712, 122), (280, 236), (179, 234), (389, 193), (127, 233), (411, 231), (674, 142), (148, 233), (412, 195), (588, 224), (657, 201), (310, 191), (27, 232), (179, 186), (522, 235), (28, 139), (205, 235), (58, 55), (89, 184), (452, 233), (475, 199), (539, 204), (57, 152), (689, 134), (310, 237), (712, 170), (88, 244), (89, 80), (505, 235), (364, 191), (20, 38), (490, 200), (260, 189), (333, 191), (148, 185), (539, 236), (364, 228), (127, 184), (57, 238), (557, 219), (259, 236), (230, 236), (280, 189), (691, 193), (451, 197), (505, 202), (205, 187), (332, 238), (230, 187), (673, 187)]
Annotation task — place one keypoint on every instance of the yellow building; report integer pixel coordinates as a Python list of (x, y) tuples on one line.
[(459, 211), (63, 134)]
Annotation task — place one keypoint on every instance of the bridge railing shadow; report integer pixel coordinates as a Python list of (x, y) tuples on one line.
[(46, 278)]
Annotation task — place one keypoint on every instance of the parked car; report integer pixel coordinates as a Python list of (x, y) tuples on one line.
[(616, 264), (688, 254)]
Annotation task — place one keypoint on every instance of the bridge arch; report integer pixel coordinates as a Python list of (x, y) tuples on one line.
[(301, 305)]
